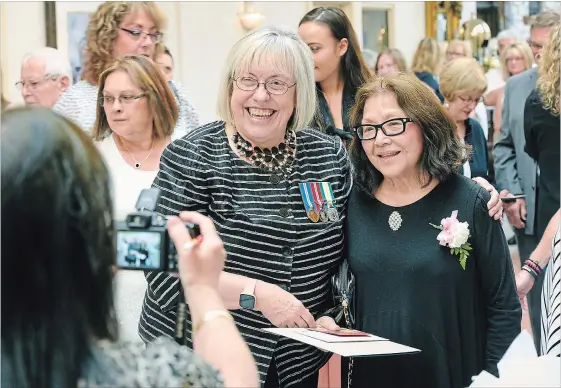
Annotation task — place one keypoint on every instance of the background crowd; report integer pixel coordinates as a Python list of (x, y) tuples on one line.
[(319, 147)]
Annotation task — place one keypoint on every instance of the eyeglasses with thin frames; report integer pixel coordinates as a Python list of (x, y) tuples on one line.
[(470, 100), (273, 86), (155, 37), (391, 127), (110, 100), (33, 85)]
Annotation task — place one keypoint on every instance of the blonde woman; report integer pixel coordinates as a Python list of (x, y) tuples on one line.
[(136, 115), (516, 59), (426, 64), (117, 29), (390, 61), (541, 128), (462, 82), (458, 49)]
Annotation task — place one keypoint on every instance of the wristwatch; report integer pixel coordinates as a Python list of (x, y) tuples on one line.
[(247, 297)]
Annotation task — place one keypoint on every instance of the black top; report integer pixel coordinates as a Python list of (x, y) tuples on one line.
[(476, 138), (262, 221), (413, 291), (324, 119), (541, 129), (429, 79)]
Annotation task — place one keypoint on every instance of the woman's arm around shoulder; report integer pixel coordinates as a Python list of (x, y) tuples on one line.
[(496, 279)]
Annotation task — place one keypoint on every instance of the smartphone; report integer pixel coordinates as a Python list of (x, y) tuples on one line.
[(342, 332), (513, 198)]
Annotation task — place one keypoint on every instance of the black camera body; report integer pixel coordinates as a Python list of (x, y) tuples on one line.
[(142, 240)]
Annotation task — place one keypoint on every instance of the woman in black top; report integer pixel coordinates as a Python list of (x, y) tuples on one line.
[(541, 127), (462, 83), (340, 68), (461, 312)]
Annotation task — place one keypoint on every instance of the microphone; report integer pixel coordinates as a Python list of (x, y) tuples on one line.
[(331, 130)]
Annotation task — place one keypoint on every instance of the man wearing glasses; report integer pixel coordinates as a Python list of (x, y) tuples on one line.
[(45, 75), (515, 171)]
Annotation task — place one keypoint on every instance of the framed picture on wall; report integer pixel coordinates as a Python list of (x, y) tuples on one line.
[(65, 25)]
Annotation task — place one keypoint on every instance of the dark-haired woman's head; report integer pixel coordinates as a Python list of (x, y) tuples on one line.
[(402, 132), (329, 34), (57, 249)]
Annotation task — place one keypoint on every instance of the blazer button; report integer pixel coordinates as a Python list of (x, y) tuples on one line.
[(275, 179), (284, 212), (286, 251)]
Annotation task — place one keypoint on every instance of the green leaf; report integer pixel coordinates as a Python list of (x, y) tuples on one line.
[(436, 226), (463, 260)]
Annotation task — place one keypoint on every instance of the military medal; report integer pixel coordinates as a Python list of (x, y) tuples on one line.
[(318, 200), (332, 212), (308, 202)]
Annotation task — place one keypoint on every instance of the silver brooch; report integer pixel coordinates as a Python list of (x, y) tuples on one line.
[(395, 221)]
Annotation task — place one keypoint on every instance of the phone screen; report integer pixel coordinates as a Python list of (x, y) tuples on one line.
[(138, 249)]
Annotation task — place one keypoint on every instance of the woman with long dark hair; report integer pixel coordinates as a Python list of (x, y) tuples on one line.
[(58, 256), (340, 68)]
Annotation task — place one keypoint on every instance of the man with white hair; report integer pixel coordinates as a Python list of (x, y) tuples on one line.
[(45, 75)]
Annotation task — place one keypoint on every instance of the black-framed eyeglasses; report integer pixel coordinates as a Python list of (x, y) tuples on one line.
[(155, 37), (273, 86), (391, 127), (35, 84), (127, 99)]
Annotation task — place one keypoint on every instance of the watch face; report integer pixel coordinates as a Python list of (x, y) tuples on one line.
[(247, 301)]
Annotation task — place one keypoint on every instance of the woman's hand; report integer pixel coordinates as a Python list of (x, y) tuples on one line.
[(524, 283), (281, 307), (201, 260), (327, 323), (495, 204)]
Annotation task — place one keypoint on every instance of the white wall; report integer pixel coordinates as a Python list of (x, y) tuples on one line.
[(199, 36)]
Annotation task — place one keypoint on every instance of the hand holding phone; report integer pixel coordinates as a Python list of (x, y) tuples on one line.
[(513, 198)]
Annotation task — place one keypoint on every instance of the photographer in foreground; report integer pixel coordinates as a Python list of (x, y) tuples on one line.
[(58, 256)]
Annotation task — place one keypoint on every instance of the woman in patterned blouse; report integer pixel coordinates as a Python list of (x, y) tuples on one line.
[(58, 251), (115, 30)]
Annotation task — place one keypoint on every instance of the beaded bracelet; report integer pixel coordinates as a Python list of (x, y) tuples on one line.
[(534, 265), (530, 271)]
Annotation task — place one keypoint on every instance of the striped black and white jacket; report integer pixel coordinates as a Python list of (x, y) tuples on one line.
[(551, 302), (200, 172)]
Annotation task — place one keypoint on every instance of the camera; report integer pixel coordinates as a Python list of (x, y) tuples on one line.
[(142, 240)]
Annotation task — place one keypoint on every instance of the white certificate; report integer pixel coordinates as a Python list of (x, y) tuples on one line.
[(346, 346)]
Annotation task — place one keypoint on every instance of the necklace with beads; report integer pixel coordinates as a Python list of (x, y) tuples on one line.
[(278, 159)]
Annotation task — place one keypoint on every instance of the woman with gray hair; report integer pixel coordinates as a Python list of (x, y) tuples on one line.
[(276, 191)]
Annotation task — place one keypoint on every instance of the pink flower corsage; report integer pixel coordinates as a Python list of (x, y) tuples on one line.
[(455, 234)]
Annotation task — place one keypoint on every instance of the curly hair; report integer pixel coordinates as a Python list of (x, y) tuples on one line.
[(104, 28), (548, 70), (443, 151)]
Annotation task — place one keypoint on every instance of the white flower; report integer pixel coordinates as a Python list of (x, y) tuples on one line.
[(460, 234)]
